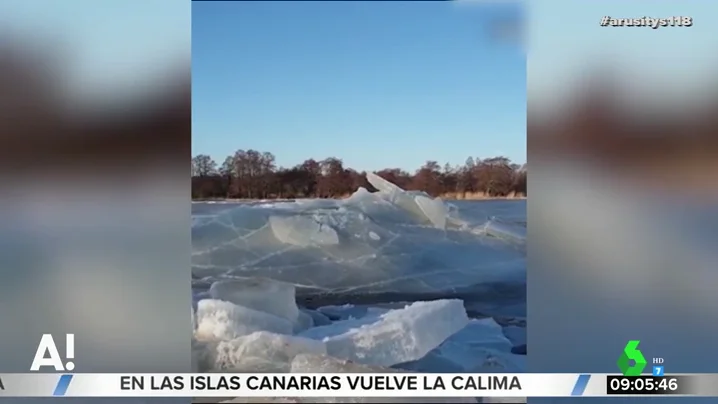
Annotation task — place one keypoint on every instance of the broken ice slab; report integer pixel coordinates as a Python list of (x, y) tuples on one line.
[(479, 347), (505, 231), (434, 209), (350, 311), (394, 337), (261, 294), (419, 204), (318, 318), (219, 319), (302, 231), (259, 352), (304, 322)]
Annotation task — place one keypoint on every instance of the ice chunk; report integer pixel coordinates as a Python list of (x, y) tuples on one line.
[(397, 336), (480, 346), (350, 312), (219, 319), (382, 185), (258, 352), (363, 196), (396, 195), (434, 209), (261, 294), (318, 318), (417, 203), (304, 322), (506, 231), (302, 231)]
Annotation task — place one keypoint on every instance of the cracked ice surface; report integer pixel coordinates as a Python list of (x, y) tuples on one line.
[(391, 241)]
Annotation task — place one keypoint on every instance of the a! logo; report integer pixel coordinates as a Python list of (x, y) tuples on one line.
[(631, 353), (47, 345)]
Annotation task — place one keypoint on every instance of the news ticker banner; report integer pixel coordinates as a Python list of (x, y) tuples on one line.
[(354, 385)]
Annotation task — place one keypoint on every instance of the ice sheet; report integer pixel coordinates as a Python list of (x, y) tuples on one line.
[(394, 337), (378, 243)]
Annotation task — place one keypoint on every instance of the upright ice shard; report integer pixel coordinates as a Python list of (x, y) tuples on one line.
[(418, 203), (434, 209)]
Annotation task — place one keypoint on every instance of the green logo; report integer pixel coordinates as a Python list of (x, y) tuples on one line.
[(631, 352)]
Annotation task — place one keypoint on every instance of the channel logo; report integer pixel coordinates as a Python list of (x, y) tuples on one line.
[(632, 362)]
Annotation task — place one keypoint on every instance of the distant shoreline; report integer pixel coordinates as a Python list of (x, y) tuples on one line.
[(447, 197)]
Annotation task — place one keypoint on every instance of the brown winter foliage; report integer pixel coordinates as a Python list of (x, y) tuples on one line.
[(253, 175)]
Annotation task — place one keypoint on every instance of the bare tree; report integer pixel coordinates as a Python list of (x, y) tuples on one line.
[(203, 166)]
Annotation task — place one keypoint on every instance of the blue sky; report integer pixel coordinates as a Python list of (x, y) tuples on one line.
[(378, 84)]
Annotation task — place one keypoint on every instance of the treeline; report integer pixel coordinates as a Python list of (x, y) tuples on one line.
[(254, 175)]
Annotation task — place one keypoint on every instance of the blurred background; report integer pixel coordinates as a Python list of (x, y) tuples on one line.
[(94, 209), (622, 149)]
